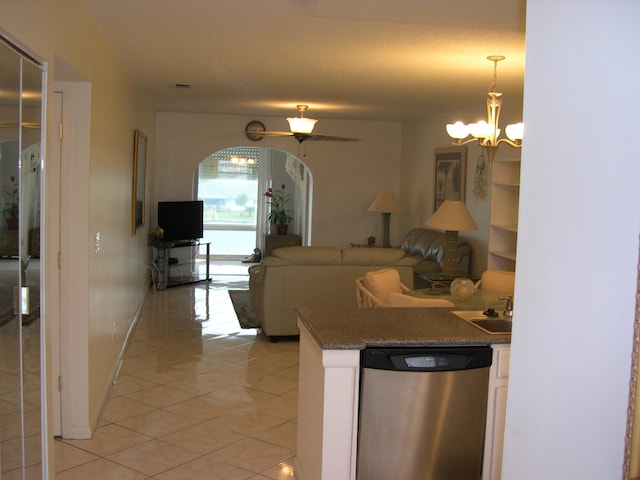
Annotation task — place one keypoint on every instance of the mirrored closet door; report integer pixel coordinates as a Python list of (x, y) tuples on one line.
[(21, 395)]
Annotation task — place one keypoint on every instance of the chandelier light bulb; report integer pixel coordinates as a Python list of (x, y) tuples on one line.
[(458, 130), (481, 129), (515, 131)]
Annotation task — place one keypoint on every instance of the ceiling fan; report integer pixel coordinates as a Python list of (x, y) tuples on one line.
[(301, 130)]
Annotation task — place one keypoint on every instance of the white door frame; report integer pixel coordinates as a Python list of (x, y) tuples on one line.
[(68, 231)]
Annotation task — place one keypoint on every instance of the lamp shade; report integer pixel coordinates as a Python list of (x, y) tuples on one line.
[(386, 202), (452, 215), (301, 125)]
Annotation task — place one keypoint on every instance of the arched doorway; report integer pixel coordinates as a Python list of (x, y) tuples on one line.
[(231, 182)]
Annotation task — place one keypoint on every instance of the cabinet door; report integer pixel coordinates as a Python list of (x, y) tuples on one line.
[(498, 400), (496, 412)]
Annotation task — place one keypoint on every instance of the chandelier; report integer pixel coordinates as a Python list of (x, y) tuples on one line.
[(487, 133)]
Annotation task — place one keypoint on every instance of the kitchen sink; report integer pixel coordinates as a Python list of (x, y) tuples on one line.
[(492, 325)]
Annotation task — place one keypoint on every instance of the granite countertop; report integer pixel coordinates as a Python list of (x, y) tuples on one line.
[(353, 328)]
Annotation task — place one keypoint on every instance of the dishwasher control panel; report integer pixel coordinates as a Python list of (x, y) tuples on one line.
[(425, 359)]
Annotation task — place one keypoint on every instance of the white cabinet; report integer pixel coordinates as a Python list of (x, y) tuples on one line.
[(503, 224), (496, 411)]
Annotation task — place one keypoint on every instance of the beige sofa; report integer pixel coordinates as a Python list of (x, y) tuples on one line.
[(315, 276)]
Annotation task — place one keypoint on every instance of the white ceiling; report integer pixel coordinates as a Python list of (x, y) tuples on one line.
[(361, 59)]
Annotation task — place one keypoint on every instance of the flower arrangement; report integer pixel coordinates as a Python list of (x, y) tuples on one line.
[(156, 236), (278, 214), (12, 210)]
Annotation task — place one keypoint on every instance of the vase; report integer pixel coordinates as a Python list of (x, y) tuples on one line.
[(12, 223), (281, 228), (462, 288)]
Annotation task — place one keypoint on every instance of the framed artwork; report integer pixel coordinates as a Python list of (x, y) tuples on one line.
[(449, 174), (139, 168)]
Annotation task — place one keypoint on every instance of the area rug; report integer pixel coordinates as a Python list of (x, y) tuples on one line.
[(242, 305)]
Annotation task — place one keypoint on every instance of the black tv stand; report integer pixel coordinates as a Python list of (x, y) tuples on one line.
[(180, 269), (184, 243)]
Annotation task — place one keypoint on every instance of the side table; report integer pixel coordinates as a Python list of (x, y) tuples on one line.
[(423, 281), (271, 242)]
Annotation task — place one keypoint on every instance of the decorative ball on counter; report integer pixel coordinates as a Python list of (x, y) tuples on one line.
[(462, 288)]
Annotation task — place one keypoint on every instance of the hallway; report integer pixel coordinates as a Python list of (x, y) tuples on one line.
[(197, 397)]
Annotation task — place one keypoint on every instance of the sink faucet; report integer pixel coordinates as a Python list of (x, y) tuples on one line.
[(508, 309)]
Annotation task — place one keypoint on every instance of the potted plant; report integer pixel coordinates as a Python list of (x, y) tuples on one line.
[(278, 215), (156, 237), (11, 212)]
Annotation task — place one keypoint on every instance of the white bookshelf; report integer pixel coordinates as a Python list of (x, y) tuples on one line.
[(503, 223)]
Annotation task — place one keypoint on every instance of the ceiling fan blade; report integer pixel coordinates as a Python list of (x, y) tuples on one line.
[(302, 137), (274, 134), (332, 138)]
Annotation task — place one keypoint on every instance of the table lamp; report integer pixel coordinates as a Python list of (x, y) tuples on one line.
[(452, 217), (386, 203)]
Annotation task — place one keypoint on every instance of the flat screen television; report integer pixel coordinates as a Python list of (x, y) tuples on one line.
[(181, 221)]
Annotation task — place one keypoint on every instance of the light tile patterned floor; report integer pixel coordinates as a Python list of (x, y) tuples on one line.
[(197, 397)]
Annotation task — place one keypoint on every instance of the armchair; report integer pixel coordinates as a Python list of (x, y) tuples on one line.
[(383, 288), (497, 281)]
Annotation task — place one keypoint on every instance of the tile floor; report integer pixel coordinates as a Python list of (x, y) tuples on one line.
[(197, 397)]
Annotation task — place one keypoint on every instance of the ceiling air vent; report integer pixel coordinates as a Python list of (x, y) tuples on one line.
[(183, 86)]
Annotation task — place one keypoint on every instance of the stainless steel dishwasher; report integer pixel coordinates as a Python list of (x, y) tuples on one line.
[(422, 413)]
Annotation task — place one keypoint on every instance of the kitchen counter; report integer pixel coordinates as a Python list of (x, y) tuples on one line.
[(357, 328), (331, 341)]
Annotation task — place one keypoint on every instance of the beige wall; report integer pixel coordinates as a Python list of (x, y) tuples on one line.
[(62, 34), (347, 176)]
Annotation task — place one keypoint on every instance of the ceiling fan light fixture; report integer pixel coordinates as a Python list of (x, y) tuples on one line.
[(301, 124), (301, 129)]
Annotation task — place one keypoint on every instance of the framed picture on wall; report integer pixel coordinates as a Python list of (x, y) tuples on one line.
[(139, 168), (450, 167)]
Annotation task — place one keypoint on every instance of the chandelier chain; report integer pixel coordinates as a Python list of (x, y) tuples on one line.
[(495, 59)]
